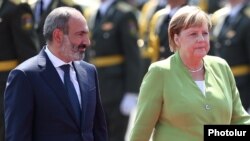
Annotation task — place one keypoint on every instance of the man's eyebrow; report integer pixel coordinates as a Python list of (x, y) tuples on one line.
[(82, 31)]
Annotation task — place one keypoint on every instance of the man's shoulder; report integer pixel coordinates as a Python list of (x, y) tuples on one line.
[(124, 8), (219, 14), (85, 64), (29, 64), (16, 2), (246, 11), (162, 12), (158, 16)]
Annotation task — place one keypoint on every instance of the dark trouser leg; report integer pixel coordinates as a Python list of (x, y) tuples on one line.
[(117, 123)]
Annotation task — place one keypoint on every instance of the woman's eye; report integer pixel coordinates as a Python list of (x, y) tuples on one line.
[(205, 33), (193, 34)]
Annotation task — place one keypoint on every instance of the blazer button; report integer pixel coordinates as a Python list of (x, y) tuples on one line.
[(207, 107)]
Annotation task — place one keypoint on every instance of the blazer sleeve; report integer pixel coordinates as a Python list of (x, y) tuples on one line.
[(18, 107), (239, 114), (149, 105)]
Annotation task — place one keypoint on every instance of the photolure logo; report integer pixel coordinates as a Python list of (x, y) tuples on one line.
[(213, 132)]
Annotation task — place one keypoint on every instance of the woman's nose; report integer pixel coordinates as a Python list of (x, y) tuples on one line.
[(200, 38)]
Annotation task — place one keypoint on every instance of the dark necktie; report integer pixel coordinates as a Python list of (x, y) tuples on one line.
[(167, 19), (41, 8), (98, 18), (227, 22), (226, 25), (71, 90)]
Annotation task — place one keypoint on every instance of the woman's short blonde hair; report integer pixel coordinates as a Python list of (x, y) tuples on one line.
[(185, 17)]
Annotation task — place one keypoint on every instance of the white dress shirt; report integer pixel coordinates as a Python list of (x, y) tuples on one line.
[(235, 10), (38, 8), (57, 63), (104, 6), (202, 86)]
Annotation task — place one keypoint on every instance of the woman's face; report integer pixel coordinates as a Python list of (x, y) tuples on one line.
[(193, 42)]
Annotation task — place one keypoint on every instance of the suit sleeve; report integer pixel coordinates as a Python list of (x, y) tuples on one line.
[(25, 37), (100, 126), (18, 106)]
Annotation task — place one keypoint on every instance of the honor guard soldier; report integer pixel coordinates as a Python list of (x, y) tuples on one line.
[(209, 6), (115, 53), (42, 8), (158, 46), (148, 10), (231, 41), (141, 3), (18, 42)]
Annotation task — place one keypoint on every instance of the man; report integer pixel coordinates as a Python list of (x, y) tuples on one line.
[(18, 42), (231, 41), (44, 101), (116, 55), (43, 7), (148, 10), (158, 35), (208, 6)]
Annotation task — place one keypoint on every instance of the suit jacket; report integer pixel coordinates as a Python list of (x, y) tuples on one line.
[(37, 107), (176, 107)]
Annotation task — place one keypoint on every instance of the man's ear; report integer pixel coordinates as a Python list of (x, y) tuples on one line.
[(57, 35), (176, 39)]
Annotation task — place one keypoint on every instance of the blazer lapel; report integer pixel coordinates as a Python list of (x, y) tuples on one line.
[(52, 78)]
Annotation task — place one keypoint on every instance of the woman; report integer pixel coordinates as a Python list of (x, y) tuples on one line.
[(189, 89)]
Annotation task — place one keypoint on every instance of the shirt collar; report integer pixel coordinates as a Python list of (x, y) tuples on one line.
[(105, 5), (55, 60), (235, 10), (46, 4), (172, 11)]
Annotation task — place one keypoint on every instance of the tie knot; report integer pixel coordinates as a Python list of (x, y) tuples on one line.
[(65, 68)]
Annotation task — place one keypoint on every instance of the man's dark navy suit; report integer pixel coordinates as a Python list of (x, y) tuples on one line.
[(36, 93)]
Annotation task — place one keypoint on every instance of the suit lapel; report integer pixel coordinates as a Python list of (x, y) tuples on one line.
[(52, 78), (82, 80)]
